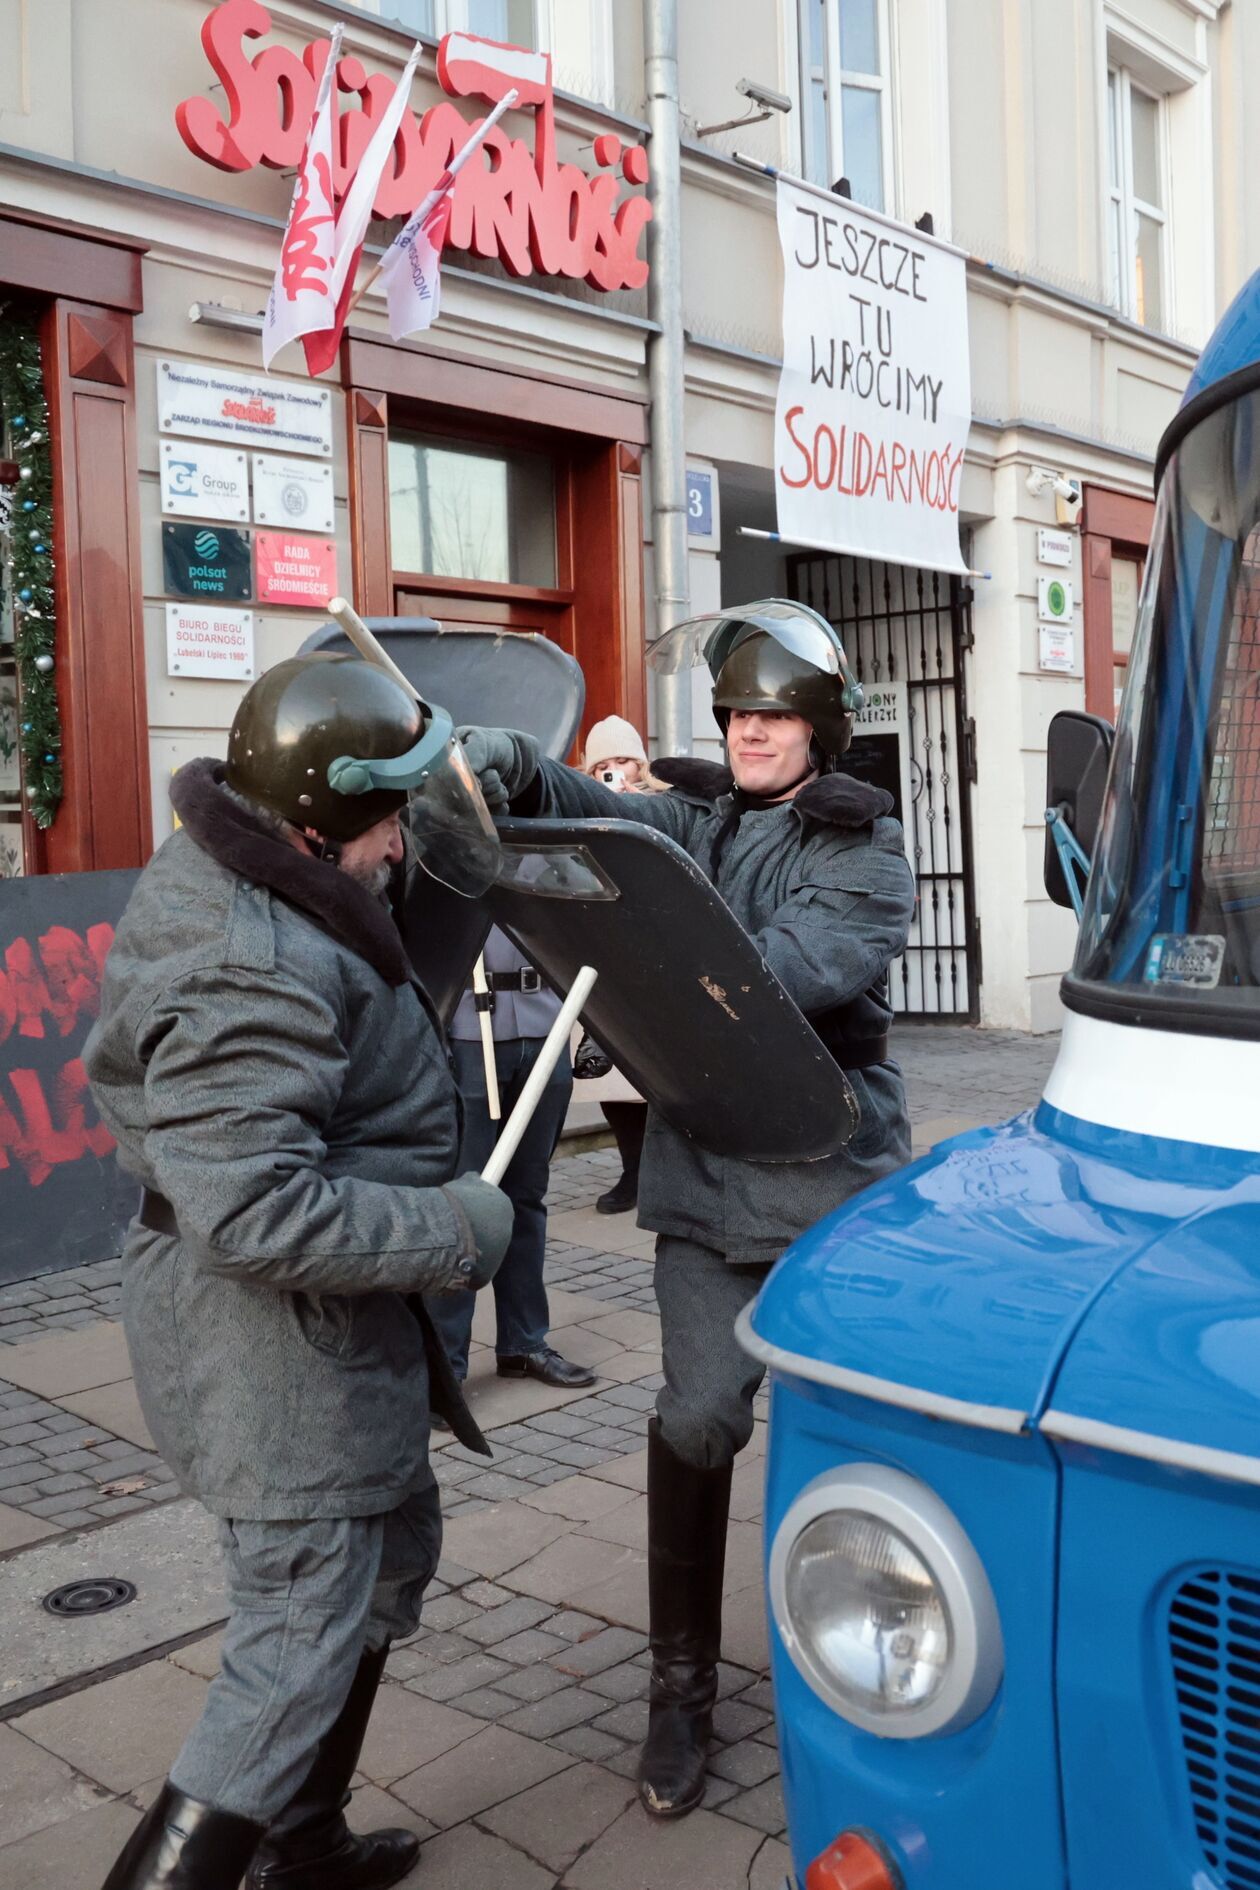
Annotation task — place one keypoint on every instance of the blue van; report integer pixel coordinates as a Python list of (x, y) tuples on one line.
[(1013, 1503)]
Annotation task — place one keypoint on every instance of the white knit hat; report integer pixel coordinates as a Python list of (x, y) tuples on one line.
[(612, 739)]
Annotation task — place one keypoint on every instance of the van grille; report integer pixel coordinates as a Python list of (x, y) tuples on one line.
[(1214, 1640)]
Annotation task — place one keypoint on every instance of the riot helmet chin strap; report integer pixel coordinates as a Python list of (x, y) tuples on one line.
[(328, 852)]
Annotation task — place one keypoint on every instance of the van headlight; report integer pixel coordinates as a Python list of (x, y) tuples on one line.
[(884, 1605)]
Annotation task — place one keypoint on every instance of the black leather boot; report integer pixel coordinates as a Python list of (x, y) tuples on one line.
[(310, 1846), (687, 1515), (182, 1844)]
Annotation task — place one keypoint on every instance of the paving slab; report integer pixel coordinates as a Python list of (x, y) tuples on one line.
[(480, 1772), (501, 1537), (66, 1362), (73, 1855), (580, 1498), (555, 1821), (126, 1730), (630, 1472), (115, 1408), (772, 1866), (37, 1789), (17, 1529), (626, 1524), (496, 1401), (622, 1596), (702, 1852), (476, 1860), (170, 1553), (406, 1731), (568, 1567)]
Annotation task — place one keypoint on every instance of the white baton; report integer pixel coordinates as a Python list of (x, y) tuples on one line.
[(556, 1042)]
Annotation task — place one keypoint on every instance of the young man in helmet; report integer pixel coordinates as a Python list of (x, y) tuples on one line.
[(277, 1084), (810, 863)]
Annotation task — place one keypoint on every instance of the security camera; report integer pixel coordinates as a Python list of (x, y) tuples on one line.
[(1067, 489), (1068, 500), (762, 95)]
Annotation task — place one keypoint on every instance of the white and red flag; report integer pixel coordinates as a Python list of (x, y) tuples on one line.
[(301, 300), (411, 266)]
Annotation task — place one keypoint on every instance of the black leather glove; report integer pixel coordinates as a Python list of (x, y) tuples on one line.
[(489, 1214), (504, 760)]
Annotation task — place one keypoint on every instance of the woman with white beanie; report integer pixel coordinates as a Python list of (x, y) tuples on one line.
[(614, 754)]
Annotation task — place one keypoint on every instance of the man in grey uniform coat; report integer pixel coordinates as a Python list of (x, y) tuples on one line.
[(277, 1083), (809, 861)]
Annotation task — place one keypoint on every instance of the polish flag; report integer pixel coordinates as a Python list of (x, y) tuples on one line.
[(411, 266), (301, 301), (353, 219)]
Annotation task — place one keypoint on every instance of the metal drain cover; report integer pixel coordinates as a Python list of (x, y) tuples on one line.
[(96, 1595)]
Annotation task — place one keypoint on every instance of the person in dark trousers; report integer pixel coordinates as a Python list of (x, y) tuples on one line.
[(277, 1083), (522, 1011), (809, 861)]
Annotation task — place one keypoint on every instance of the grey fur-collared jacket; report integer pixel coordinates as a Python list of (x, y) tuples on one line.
[(823, 886), (269, 1067)]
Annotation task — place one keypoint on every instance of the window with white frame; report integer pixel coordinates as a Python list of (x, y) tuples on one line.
[(1138, 197), (846, 97), (515, 22)]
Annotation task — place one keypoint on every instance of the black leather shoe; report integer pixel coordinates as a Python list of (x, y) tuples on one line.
[(548, 1366), (687, 1515), (310, 1846), (182, 1844), (620, 1198)]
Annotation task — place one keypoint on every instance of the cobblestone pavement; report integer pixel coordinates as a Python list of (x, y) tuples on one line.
[(507, 1732)]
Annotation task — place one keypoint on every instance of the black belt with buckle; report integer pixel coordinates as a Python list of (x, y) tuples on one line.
[(527, 981)]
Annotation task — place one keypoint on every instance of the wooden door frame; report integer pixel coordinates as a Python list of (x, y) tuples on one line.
[(1113, 524), (90, 289), (596, 439)]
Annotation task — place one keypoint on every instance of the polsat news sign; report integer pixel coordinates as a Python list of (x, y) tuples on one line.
[(524, 207)]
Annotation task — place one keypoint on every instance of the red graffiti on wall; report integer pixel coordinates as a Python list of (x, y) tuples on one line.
[(47, 991), (522, 206)]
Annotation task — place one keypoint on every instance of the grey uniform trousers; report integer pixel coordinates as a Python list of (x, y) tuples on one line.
[(705, 1406), (306, 1600)]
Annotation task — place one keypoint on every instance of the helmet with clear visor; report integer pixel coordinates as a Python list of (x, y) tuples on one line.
[(775, 656), (333, 745)]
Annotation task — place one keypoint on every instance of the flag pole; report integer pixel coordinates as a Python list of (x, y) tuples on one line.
[(367, 645), (434, 197)]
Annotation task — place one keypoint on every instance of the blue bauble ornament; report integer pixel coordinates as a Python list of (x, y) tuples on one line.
[(28, 505), (19, 420), (40, 550), (27, 727), (50, 757), (26, 594)]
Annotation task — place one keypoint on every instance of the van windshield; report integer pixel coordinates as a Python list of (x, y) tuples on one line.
[(1172, 913)]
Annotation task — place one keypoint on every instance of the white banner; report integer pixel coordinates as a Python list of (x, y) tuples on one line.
[(215, 402), (874, 400)]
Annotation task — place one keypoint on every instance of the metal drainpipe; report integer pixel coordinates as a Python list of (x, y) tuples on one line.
[(666, 351)]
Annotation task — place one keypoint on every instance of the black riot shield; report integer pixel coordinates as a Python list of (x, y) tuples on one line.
[(685, 1005), (497, 679)]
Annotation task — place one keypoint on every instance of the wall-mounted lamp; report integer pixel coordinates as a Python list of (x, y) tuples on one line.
[(215, 315)]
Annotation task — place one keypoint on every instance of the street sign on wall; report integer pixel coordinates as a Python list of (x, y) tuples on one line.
[(214, 402), (63, 1200), (874, 402)]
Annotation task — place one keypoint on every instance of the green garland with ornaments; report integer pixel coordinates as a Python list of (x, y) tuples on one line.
[(26, 556)]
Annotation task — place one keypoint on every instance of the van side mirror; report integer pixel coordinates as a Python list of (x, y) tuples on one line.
[(1079, 755)]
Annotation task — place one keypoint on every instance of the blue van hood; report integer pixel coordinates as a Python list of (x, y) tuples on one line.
[(976, 1273)]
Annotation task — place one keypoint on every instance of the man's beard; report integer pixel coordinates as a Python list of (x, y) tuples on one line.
[(373, 879)]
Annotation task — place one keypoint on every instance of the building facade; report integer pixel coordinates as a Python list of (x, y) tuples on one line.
[(1088, 157)]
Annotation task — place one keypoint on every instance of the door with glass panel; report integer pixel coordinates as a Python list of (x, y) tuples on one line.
[(479, 534)]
